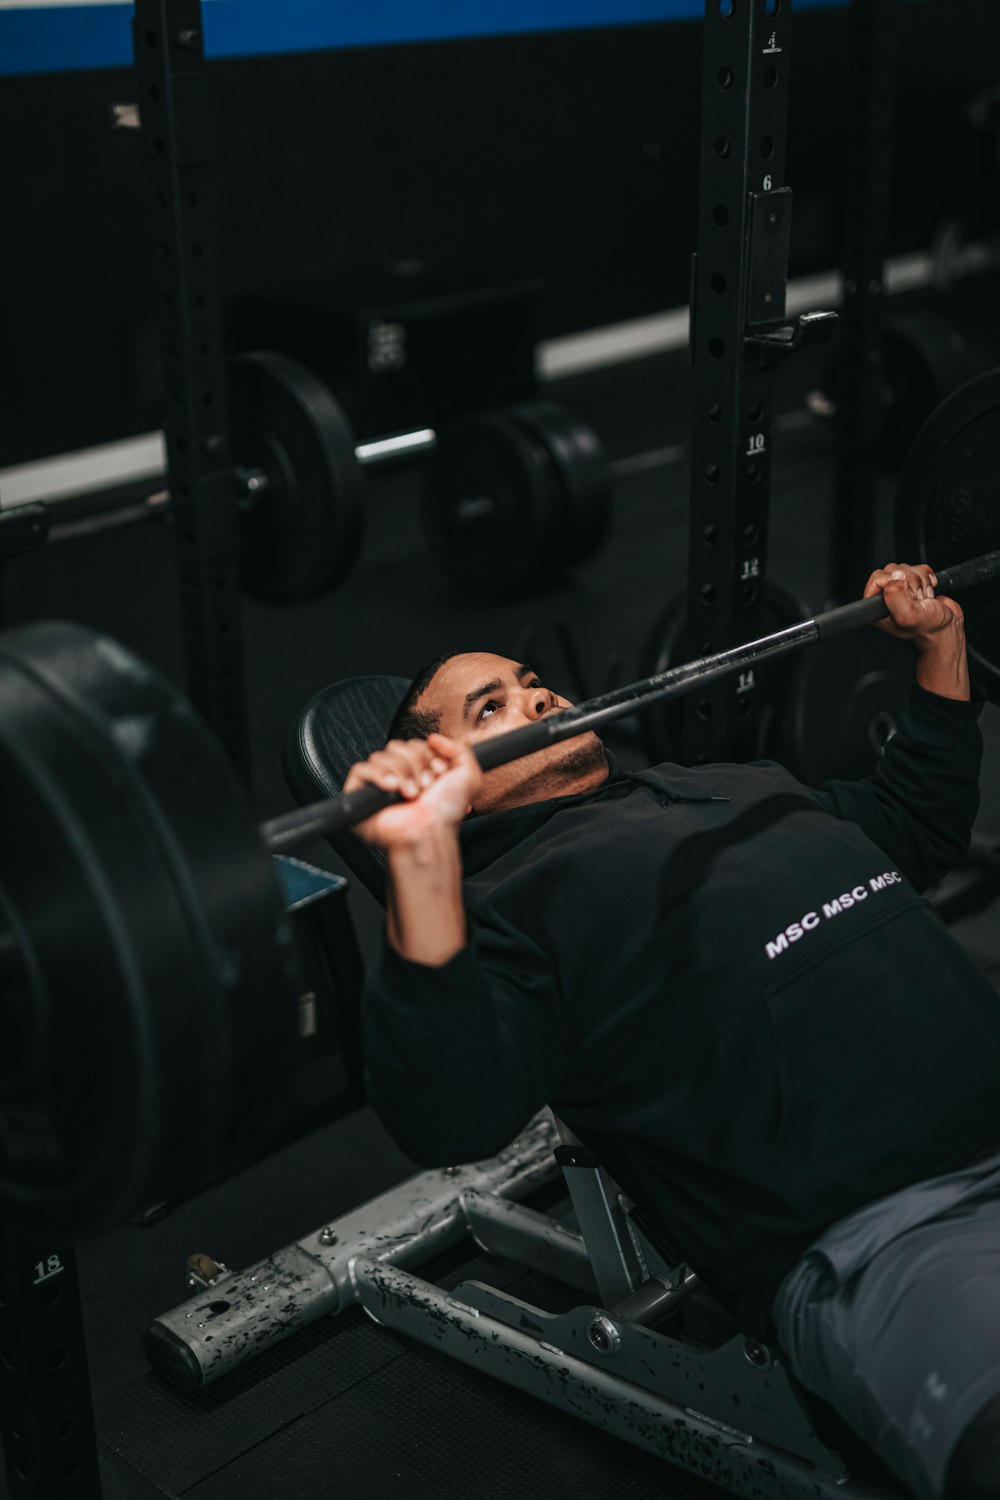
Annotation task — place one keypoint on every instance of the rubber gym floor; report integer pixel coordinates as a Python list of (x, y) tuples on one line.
[(346, 1409)]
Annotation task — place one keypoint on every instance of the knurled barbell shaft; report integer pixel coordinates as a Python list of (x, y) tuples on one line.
[(321, 818)]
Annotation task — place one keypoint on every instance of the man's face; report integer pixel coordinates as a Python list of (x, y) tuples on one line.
[(478, 695)]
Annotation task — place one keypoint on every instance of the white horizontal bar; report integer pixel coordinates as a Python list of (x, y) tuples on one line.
[(86, 469)]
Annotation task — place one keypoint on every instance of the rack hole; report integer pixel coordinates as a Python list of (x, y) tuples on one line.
[(712, 473), (708, 593), (56, 1357), (720, 215), (703, 708), (756, 411), (725, 78), (723, 147), (711, 534), (713, 411), (716, 349), (750, 533), (767, 147), (717, 282), (726, 8), (770, 76)]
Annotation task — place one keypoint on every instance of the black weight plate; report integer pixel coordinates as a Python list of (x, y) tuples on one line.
[(948, 507), (301, 537), (580, 465), (490, 505), (665, 647), (149, 1018), (924, 359), (841, 705)]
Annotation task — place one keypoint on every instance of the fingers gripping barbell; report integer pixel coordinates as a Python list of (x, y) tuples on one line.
[(148, 984), (509, 497)]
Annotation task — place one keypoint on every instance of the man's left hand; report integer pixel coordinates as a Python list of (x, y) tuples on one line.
[(933, 625), (915, 612)]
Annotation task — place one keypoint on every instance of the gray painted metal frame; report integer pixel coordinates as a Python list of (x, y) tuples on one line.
[(732, 1415)]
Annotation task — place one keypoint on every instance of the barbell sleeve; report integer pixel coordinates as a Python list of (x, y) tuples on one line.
[(318, 819)]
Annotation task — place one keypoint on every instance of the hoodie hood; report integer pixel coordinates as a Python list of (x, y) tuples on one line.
[(487, 836)]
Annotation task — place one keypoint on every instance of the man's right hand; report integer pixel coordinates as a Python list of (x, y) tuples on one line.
[(437, 779)]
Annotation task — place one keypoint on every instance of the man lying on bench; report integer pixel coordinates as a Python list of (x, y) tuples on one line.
[(729, 987)]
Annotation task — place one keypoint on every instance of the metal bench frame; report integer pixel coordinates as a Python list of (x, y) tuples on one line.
[(732, 1414)]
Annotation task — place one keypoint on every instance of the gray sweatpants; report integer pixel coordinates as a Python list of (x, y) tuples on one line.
[(893, 1316)]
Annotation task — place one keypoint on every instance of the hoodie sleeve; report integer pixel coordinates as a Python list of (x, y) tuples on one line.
[(459, 1058), (920, 803)]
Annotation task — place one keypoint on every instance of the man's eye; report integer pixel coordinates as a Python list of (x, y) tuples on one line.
[(491, 703)]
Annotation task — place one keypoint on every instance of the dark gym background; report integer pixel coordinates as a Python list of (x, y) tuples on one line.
[(566, 156), (569, 156)]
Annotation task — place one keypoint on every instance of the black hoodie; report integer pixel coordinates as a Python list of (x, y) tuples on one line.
[(725, 983)]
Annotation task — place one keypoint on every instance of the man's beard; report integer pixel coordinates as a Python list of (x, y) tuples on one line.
[(555, 773)]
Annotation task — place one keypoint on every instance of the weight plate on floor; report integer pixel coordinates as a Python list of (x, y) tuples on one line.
[(301, 536), (581, 469), (148, 982), (490, 505), (666, 647), (842, 704), (924, 359), (948, 507)]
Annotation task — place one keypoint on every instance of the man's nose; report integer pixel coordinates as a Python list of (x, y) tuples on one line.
[(541, 702)]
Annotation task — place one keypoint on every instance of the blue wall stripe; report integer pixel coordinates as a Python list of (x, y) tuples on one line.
[(62, 38)]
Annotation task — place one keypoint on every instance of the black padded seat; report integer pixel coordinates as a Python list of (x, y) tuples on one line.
[(341, 724)]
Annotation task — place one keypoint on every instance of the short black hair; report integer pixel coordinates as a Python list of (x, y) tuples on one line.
[(408, 722)]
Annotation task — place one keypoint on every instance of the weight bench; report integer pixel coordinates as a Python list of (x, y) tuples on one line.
[(646, 1354)]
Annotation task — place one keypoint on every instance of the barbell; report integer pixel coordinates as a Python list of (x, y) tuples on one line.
[(148, 979), (509, 496)]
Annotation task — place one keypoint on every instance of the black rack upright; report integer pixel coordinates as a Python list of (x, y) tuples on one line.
[(175, 108), (738, 316), (868, 144)]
